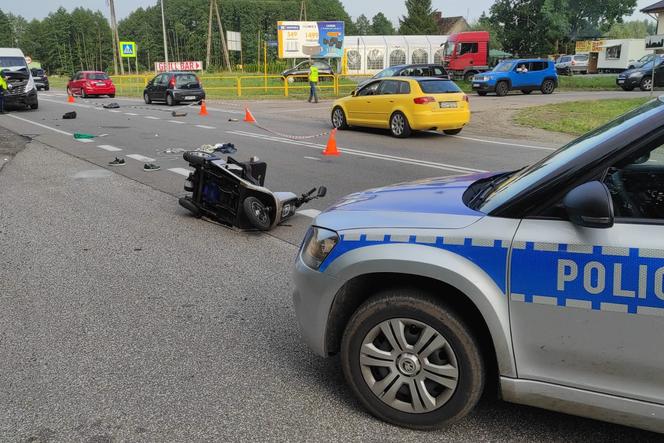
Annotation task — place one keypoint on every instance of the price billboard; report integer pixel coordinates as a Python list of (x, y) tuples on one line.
[(310, 39)]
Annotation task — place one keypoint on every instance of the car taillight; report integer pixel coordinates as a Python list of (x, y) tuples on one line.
[(423, 100), (171, 84), (465, 98)]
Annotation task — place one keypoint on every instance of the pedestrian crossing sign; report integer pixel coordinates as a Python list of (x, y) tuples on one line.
[(128, 49)]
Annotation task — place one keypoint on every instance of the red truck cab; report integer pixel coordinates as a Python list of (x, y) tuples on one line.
[(467, 54)]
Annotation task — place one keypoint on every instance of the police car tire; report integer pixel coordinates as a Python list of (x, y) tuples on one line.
[(407, 303)]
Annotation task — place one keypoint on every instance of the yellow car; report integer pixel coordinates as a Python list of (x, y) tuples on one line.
[(403, 105)]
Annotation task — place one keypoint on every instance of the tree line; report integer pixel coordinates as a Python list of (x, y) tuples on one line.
[(65, 41)]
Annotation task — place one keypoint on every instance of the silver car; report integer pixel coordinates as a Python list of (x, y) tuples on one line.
[(547, 280), (572, 64)]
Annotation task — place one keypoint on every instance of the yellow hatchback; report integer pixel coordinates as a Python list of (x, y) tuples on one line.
[(403, 105)]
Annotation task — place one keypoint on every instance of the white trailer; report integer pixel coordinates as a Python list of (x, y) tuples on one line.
[(616, 55)]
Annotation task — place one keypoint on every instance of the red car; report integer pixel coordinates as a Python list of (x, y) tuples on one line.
[(88, 83)]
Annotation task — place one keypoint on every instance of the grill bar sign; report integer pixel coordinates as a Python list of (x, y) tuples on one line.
[(655, 42), (178, 66)]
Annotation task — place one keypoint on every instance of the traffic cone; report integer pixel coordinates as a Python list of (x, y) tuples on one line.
[(331, 147), (70, 98), (203, 111), (248, 116)]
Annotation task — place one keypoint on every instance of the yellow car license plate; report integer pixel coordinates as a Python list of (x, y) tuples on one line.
[(447, 105)]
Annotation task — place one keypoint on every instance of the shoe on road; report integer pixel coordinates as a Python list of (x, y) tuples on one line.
[(117, 162), (151, 167)]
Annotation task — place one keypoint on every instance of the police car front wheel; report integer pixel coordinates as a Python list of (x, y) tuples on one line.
[(412, 361)]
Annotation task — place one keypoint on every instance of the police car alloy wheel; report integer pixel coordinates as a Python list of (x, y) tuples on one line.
[(412, 361)]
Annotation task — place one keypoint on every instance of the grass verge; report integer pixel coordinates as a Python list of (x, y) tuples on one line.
[(575, 118)]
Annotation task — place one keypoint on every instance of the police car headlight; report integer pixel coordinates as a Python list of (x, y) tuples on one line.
[(317, 246)]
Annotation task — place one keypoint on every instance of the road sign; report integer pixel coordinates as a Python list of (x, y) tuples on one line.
[(234, 40), (655, 42), (178, 66), (28, 59), (128, 49), (272, 43)]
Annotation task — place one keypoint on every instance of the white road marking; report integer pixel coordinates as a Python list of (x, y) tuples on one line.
[(205, 127), (312, 158), (176, 121), (141, 158), (152, 117), (228, 111), (84, 140), (130, 113), (109, 148), (543, 148), (181, 171), (115, 111), (40, 125), (349, 151), (312, 213), (281, 111)]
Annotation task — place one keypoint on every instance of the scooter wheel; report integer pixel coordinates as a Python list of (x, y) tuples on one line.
[(197, 158), (257, 213), (189, 205)]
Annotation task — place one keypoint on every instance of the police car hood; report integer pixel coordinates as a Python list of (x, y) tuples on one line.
[(431, 203)]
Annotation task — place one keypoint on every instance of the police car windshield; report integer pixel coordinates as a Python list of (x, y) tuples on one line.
[(526, 178)]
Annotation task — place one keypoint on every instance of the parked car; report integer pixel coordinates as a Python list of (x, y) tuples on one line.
[(542, 283), (642, 77), (525, 75), (421, 70), (573, 64), (174, 88), (91, 83), (300, 72), (642, 61), (404, 104), (40, 78)]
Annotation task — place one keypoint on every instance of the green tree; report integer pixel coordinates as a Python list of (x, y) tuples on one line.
[(598, 14), (485, 24), (6, 33), (419, 19), (362, 25), (632, 29), (381, 25)]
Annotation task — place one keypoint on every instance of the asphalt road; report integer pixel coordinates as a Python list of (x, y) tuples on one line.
[(125, 319)]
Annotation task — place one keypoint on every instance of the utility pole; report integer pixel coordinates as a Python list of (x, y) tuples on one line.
[(163, 28), (116, 41), (303, 10), (224, 48), (209, 39)]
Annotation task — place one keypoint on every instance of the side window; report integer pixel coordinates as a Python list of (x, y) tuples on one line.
[(404, 88), (637, 186), (537, 66), (413, 72), (389, 87), (467, 48), (439, 71), (613, 52), (370, 89), (427, 71), (78, 76)]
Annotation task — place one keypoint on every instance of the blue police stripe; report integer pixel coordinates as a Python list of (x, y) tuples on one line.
[(492, 259)]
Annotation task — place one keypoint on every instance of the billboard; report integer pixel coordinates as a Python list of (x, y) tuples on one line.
[(234, 41), (586, 46), (178, 66), (310, 39), (655, 42)]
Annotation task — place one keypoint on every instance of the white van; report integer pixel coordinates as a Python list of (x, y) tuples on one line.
[(21, 86)]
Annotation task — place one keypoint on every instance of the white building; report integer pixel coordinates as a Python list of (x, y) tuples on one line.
[(369, 54)]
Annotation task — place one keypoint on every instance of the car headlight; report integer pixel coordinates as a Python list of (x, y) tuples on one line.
[(31, 84), (317, 245)]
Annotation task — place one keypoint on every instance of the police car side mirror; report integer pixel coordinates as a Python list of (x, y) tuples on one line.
[(590, 205)]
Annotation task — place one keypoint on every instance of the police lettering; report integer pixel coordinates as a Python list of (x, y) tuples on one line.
[(593, 277)]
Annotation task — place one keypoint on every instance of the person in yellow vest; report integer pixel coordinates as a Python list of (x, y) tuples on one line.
[(3, 90), (313, 82)]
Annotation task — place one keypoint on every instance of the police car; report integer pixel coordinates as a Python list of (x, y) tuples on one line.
[(548, 281)]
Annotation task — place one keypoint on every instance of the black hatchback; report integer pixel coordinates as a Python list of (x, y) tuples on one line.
[(174, 88)]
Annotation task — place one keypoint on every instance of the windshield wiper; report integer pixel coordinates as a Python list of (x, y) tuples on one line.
[(481, 196)]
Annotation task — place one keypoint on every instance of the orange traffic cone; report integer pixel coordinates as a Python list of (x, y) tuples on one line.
[(331, 148), (70, 98), (203, 110), (248, 116)]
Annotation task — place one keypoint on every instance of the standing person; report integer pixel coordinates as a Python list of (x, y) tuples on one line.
[(313, 82), (3, 89)]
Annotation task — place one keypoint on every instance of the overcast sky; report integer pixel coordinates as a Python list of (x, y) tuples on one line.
[(392, 8)]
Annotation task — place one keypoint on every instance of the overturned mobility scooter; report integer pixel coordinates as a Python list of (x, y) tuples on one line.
[(233, 193)]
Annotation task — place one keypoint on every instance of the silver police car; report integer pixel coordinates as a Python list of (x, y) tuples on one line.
[(548, 280)]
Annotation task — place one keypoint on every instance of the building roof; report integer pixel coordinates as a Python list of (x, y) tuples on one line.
[(657, 7), (447, 24)]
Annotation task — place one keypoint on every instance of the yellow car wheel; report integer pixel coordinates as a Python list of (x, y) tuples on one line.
[(399, 126), (339, 118)]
